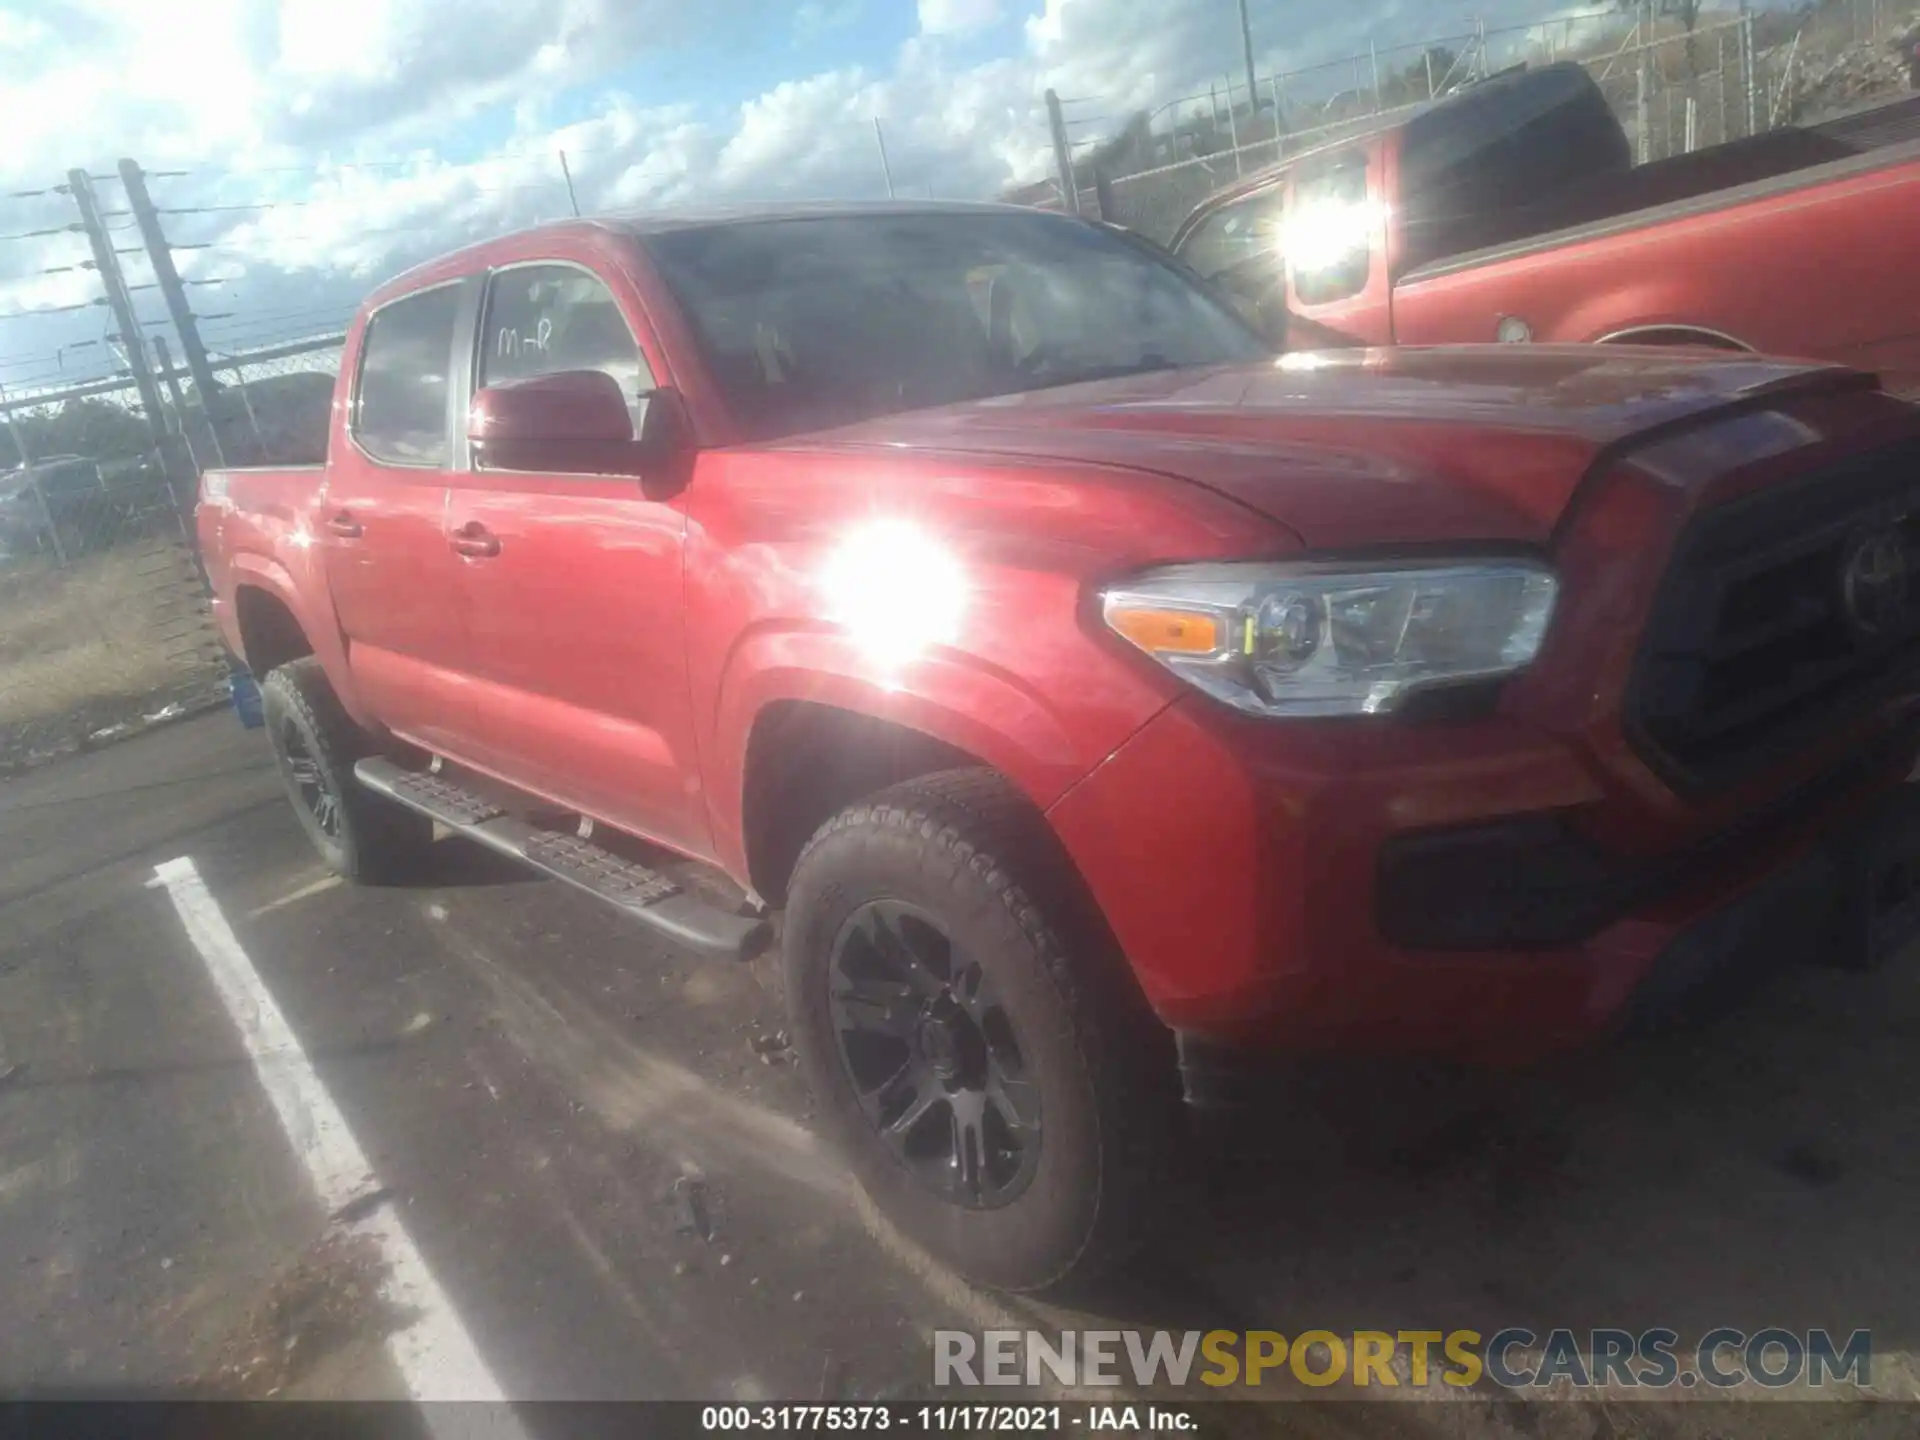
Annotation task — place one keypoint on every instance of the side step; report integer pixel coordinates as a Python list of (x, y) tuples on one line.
[(646, 895)]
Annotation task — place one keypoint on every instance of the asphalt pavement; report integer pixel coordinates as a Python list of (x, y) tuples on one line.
[(592, 1152)]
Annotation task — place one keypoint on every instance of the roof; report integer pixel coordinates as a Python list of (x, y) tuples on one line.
[(640, 224), (656, 222), (661, 222)]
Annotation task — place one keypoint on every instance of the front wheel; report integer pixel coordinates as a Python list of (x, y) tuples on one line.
[(359, 834), (978, 1052)]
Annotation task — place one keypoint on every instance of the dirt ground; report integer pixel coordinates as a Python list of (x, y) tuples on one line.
[(103, 642)]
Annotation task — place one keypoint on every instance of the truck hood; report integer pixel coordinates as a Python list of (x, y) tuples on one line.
[(1362, 447)]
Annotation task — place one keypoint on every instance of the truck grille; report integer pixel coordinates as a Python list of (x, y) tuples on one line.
[(1779, 613)]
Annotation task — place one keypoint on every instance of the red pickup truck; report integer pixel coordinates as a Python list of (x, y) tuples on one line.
[(1512, 211), (1100, 699)]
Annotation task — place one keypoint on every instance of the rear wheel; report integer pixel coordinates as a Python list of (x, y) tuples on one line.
[(359, 834), (978, 1051)]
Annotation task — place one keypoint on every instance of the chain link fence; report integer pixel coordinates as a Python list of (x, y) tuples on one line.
[(1673, 90), (1154, 202), (104, 626)]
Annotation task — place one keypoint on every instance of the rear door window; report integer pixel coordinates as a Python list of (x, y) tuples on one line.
[(406, 365)]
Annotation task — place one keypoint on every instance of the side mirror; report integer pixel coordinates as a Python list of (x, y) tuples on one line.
[(570, 422)]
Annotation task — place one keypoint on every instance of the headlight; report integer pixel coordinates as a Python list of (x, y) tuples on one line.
[(1325, 638)]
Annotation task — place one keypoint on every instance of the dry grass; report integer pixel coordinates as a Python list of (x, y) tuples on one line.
[(115, 625)]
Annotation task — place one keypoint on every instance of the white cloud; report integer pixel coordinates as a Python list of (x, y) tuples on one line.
[(957, 17)]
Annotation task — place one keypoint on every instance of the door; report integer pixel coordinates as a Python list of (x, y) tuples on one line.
[(382, 525), (572, 587)]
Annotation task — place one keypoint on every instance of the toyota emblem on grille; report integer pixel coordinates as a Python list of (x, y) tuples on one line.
[(1873, 582)]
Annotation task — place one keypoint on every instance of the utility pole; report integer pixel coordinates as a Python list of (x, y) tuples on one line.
[(1246, 47), (1062, 153), (118, 301), (160, 256), (886, 169)]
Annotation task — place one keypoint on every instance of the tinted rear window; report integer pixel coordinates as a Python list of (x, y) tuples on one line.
[(1508, 143), (400, 411)]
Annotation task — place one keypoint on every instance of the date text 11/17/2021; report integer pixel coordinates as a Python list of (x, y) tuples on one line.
[(945, 1419)]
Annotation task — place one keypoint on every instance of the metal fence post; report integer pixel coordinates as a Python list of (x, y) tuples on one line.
[(253, 420), (1233, 130), (1752, 71), (1062, 154), (46, 516), (886, 168), (1643, 108), (1246, 50), (1720, 77)]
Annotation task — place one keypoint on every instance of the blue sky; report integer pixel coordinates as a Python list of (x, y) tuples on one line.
[(369, 133)]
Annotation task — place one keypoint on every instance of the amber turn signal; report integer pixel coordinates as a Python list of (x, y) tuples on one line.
[(1167, 632)]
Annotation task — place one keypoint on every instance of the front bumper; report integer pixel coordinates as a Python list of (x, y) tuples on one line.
[(1238, 867)]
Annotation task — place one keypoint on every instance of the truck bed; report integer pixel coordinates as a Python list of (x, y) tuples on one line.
[(1687, 186)]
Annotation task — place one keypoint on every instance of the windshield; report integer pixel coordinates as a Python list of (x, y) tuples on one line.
[(811, 323)]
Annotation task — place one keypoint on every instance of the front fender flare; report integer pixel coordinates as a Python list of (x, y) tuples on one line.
[(959, 700)]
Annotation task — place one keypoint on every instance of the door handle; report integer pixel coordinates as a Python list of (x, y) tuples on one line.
[(474, 541), (345, 526)]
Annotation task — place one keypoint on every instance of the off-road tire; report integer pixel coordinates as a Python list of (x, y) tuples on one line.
[(965, 847), (374, 841)]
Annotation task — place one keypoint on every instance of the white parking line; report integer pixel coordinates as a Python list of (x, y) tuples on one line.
[(435, 1355)]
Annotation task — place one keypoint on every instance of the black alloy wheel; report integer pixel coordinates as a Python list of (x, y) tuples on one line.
[(310, 781), (932, 1056), (315, 742)]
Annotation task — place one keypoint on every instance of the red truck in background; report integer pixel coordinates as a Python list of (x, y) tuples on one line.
[(1099, 699), (1512, 211)]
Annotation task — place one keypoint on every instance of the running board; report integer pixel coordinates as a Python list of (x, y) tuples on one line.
[(648, 896)]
